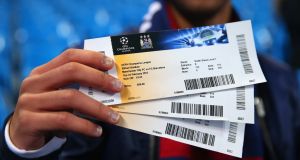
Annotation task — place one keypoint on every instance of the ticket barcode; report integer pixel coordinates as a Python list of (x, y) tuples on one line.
[(240, 98), (90, 91), (208, 82), (155, 62), (190, 134), (232, 132), (197, 109), (241, 41)]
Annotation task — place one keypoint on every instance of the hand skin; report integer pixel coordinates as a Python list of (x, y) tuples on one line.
[(44, 110)]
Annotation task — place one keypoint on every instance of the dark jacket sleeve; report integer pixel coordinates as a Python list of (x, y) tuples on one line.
[(6, 154)]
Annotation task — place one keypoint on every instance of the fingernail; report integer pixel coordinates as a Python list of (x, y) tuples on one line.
[(117, 84), (108, 61), (99, 131), (114, 116)]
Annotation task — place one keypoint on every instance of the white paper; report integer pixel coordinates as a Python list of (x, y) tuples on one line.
[(223, 137), (191, 69), (234, 105)]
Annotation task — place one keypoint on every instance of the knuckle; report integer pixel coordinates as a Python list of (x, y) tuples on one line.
[(70, 94), (70, 68), (62, 119), (26, 83), (35, 71), (69, 51), (69, 54), (23, 99)]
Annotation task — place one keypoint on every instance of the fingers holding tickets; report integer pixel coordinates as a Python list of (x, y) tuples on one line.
[(65, 121), (72, 72), (96, 60), (68, 100)]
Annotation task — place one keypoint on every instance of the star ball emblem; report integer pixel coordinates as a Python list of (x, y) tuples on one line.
[(124, 40)]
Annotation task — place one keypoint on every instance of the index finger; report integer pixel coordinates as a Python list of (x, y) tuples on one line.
[(97, 60)]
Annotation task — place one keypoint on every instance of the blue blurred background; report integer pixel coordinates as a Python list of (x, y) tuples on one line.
[(34, 31)]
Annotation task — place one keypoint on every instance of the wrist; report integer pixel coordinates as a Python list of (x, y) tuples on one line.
[(54, 144), (21, 140)]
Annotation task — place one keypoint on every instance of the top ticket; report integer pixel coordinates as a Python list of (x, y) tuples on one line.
[(172, 63)]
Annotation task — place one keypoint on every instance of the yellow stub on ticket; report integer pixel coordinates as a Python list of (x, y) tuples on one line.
[(138, 72), (179, 62)]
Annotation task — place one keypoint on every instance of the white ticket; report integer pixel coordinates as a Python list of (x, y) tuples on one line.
[(234, 105), (223, 137), (179, 62)]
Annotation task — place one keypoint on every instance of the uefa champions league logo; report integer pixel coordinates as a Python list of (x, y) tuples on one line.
[(146, 42), (125, 45), (124, 40)]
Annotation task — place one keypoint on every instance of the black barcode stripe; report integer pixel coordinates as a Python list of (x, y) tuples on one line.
[(241, 41), (190, 134), (90, 91), (197, 109), (241, 98), (208, 82), (232, 132)]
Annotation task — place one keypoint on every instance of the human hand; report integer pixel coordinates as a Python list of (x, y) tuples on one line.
[(44, 110)]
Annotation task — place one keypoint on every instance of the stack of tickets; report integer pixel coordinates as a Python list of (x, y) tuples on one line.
[(191, 85)]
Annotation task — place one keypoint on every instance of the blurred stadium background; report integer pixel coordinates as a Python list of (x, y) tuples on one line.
[(34, 31)]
